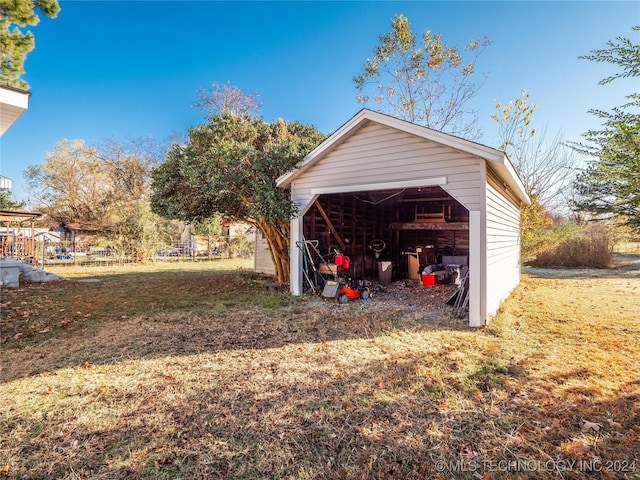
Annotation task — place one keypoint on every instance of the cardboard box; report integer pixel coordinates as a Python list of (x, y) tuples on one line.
[(414, 265), (329, 269)]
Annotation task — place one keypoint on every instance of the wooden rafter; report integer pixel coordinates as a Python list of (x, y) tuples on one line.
[(332, 229)]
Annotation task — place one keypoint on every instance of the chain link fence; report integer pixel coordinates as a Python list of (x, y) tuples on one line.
[(48, 252)]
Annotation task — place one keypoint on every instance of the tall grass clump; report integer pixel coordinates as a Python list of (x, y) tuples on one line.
[(592, 247), (541, 231)]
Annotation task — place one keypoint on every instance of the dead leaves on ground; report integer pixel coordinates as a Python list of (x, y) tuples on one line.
[(314, 389)]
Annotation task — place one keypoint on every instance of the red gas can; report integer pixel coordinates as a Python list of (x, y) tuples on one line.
[(343, 261)]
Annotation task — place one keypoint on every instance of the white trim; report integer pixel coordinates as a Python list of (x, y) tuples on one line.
[(295, 266), (476, 268), (484, 285), (509, 176), (13, 103), (367, 187), (303, 209)]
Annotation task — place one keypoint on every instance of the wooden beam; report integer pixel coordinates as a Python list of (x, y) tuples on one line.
[(427, 199), (330, 225), (430, 226)]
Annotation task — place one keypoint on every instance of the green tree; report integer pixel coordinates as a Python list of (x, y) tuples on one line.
[(138, 229), (209, 227), (624, 54), (424, 80), (230, 165), (8, 203), (610, 184), (15, 43)]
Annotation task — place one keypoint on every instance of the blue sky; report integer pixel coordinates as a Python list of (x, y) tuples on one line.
[(124, 69)]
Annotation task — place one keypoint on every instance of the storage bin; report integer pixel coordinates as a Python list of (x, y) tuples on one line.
[(428, 279), (385, 272)]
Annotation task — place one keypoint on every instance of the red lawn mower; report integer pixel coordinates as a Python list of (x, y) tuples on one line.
[(337, 285)]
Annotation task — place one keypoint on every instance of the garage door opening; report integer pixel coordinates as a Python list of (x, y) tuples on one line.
[(417, 227)]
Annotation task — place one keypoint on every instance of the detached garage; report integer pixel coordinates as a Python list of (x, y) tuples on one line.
[(412, 191)]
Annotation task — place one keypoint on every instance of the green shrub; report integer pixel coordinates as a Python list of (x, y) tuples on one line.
[(241, 246)]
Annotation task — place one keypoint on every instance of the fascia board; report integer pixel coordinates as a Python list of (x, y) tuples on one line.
[(508, 174), (13, 103)]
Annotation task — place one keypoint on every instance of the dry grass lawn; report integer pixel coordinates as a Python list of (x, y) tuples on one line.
[(196, 371)]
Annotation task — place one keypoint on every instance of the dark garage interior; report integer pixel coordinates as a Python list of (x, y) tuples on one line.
[(416, 226)]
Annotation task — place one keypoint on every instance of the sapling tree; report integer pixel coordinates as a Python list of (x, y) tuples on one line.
[(422, 79)]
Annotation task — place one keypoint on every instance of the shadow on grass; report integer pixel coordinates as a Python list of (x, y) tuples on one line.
[(371, 421), (157, 315)]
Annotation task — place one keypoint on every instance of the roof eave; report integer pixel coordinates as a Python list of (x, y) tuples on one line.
[(13, 103), (508, 174)]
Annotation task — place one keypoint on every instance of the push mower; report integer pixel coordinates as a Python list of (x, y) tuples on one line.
[(336, 286), (343, 289)]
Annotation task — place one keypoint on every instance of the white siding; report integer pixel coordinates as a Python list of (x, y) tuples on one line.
[(263, 262), (377, 153), (503, 247)]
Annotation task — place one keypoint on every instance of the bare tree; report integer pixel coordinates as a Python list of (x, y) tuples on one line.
[(227, 98), (70, 185), (546, 166)]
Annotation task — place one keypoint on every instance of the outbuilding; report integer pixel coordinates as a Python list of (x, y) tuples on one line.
[(410, 189)]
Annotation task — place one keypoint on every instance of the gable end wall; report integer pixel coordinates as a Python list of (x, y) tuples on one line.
[(377, 154)]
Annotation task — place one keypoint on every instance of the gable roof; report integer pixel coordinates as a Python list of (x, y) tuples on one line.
[(499, 160)]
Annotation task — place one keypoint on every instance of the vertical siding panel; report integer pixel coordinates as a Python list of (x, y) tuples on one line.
[(262, 259), (503, 247)]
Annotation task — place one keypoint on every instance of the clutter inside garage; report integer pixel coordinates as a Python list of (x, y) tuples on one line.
[(372, 238)]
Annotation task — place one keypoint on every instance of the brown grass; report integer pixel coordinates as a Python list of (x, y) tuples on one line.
[(202, 374)]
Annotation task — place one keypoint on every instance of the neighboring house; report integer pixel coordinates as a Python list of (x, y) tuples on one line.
[(13, 102), (378, 177), (77, 232), (200, 243)]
